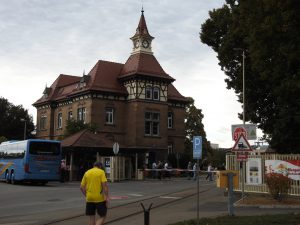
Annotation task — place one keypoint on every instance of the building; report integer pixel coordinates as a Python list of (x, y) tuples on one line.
[(134, 104)]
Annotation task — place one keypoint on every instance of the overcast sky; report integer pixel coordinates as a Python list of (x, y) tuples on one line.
[(40, 39)]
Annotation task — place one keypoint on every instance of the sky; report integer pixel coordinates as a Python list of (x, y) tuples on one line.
[(40, 39)]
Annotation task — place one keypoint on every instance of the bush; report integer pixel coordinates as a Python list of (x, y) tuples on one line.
[(278, 185)]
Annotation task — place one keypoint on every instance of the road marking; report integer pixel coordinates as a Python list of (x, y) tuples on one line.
[(136, 195), (169, 197), (118, 197)]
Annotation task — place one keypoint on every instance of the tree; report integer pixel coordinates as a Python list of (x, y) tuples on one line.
[(74, 126), (268, 32), (12, 119), (195, 127)]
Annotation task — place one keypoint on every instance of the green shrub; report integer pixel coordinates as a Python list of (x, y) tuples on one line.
[(278, 185)]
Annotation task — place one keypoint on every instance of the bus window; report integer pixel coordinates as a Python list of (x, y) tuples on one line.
[(44, 148)]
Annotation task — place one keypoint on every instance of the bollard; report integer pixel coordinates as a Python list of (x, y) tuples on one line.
[(230, 194), (146, 214)]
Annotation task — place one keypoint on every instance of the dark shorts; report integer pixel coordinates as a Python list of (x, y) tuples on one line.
[(91, 208)]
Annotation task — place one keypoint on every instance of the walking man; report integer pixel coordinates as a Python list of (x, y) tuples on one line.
[(94, 188)]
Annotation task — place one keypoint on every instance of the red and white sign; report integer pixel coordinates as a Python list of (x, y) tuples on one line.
[(242, 145), (241, 156), (238, 131)]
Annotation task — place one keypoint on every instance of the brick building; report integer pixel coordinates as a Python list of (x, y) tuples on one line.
[(134, 104)]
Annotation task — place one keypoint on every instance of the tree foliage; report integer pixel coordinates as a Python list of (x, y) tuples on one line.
[(195, 127), (74, 126), (268, 32), (12, 119)]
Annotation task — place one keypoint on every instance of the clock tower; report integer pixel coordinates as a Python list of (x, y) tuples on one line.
[(142, 39)]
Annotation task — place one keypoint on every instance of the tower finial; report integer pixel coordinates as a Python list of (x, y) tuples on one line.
[(142, 7)]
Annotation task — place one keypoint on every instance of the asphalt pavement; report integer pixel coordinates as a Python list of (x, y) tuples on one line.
[(212, 204)]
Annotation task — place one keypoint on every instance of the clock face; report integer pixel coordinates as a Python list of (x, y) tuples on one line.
[(145, 44), (137, 43)]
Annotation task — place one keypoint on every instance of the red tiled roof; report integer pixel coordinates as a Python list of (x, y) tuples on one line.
[(173, 94), (86, 138), (61, 87), (104, 77), (144, 64)]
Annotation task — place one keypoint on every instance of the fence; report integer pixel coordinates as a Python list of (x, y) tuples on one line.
[(259, 170)]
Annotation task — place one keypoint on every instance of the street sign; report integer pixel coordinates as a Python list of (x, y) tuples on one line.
[(238, 131), (241, 156), (249, 128), (197, 147), (242, 145), (116, 148)]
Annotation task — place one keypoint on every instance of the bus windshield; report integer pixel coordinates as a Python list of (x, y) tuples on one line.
[(44, 148)]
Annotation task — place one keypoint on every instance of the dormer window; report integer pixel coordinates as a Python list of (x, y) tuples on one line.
[(152, 93), (148, 93), (46, 92), (83, 81), (156, 93)]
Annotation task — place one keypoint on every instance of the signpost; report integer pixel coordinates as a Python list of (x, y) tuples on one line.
[(197, 154), (242, 146)]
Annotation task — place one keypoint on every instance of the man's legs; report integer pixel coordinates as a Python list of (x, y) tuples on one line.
[(101, 220), (92, 220)]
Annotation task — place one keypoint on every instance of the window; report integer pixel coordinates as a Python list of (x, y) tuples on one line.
[(155, 93), (148, 93), (43, 121), (59, 120), (170, 120), (81, 114), (152, 123), (152, 93), (70, 115), (109, 119)]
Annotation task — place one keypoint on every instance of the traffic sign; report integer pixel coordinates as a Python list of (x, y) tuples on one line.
[(250, 130), (241, 156), (238, 131), (197, 147), (242, 145), (116, 148)]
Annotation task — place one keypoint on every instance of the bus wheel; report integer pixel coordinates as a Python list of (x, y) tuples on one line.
[(12, 178), (6, 177)]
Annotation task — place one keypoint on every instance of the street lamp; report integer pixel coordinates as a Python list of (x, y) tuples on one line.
[(243, 163), (23, 120), (243, 65)]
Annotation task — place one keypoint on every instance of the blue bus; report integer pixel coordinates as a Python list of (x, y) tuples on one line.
[(32, 160)]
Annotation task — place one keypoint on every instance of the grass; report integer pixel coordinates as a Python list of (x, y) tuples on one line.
[(279, 219)]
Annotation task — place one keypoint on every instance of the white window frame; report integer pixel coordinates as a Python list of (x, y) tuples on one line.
[(152, 122), (109, 116), (148, 92), (59, 120), (156, 93), (170, 120), (43, 122)]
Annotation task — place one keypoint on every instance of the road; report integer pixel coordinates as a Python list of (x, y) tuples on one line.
[(28, 204)]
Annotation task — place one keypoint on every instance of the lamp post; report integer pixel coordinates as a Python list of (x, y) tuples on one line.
[(244, 101), (23, 120)]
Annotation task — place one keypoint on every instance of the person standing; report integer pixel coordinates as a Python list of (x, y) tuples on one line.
[(154, 166), (63, 171), (94, 187), (209, 172), (195, 170), (189, 170)]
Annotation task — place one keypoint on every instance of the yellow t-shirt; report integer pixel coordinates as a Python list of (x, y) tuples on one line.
[(92, 181)]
